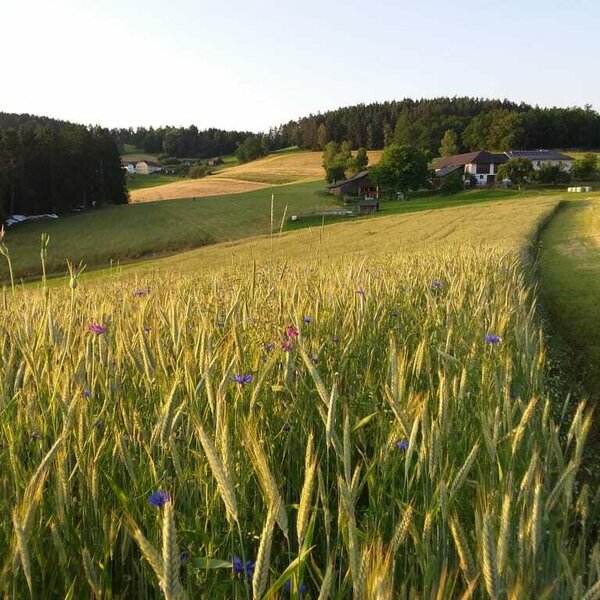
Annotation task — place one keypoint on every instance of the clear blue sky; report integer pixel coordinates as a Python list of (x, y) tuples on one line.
[(248, 65)]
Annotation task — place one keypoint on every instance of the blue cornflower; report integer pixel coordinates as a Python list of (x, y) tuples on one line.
[(220, 325), (87, 394), (402, 445), (141, 293), (307, 319), (159, 499), (184, 556), (361, 292), (437, 285), (302, 588), (269, 346), (514, 395), (492, 339), (240, 567), (243, 379)]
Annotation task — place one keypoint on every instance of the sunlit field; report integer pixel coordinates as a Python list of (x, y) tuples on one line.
[(338, 419)]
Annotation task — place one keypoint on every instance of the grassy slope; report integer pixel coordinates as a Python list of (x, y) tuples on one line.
[(125, 233), (570, 280), (132, 231), (501, 224)]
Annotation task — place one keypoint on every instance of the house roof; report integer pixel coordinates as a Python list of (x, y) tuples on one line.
[(150, 163), (443, 171), (356, 177), (458, 160), (538, 155)]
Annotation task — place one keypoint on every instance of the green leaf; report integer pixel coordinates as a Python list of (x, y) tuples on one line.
[(201, 562), (121, 495)]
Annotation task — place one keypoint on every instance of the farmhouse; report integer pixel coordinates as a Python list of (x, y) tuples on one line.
[(481, 165), (129, 167), (359, 185), (214, 162), (146, 167), (540, 158)]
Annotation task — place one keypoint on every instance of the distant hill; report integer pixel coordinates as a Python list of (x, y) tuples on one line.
[(478, 123)]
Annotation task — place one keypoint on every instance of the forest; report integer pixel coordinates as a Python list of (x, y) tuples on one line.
[(51, 166), (182, 142), (478, 124), (475, 124)]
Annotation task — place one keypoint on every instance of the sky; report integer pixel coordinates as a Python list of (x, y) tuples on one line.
[(252, 65)]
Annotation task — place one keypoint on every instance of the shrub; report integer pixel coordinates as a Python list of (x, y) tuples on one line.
[(586, 167), (452, 183)]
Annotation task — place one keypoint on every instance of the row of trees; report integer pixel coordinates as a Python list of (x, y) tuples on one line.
[(182, 142), (52, 166), (472, 123)]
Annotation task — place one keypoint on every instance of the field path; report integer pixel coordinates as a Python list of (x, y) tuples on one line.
[(570, 279)]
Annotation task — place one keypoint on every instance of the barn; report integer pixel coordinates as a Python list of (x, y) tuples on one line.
[(359, 185)]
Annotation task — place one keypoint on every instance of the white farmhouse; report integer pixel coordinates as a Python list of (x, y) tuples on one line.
[(540, 158), (483, 166)]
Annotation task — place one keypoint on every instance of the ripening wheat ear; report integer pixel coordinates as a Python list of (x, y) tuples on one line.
[(490, 563), (260, 465), (224, 485), (378, 572), (304, 508), (148, 550), (170, 556), (263, 558)]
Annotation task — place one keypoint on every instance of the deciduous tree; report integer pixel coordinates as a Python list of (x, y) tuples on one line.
[(401, 169), (449, 145)]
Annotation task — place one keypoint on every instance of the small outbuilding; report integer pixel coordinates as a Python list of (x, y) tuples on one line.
[(359, 185), (214, 162), (368, 206)]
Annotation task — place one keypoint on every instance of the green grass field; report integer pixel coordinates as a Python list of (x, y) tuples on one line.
[(357, 410), (570, 281), (122, 233)]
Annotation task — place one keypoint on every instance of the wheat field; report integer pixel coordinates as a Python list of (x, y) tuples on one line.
[(212, 185), (369, 427)]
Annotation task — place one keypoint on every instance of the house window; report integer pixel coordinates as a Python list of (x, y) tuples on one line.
[(483, 168)]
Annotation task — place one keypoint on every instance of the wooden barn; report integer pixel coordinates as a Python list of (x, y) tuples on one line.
[(359, 185)]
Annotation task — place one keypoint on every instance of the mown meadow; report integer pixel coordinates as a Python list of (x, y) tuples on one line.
[(305, 426)]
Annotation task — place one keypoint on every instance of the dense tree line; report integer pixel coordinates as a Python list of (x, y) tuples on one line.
[(182, 142), (53, 166), (474, 123), (464, 123)]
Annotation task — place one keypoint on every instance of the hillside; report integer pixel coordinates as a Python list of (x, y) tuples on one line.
[(505, 224), (121, 234), (288, 167)]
